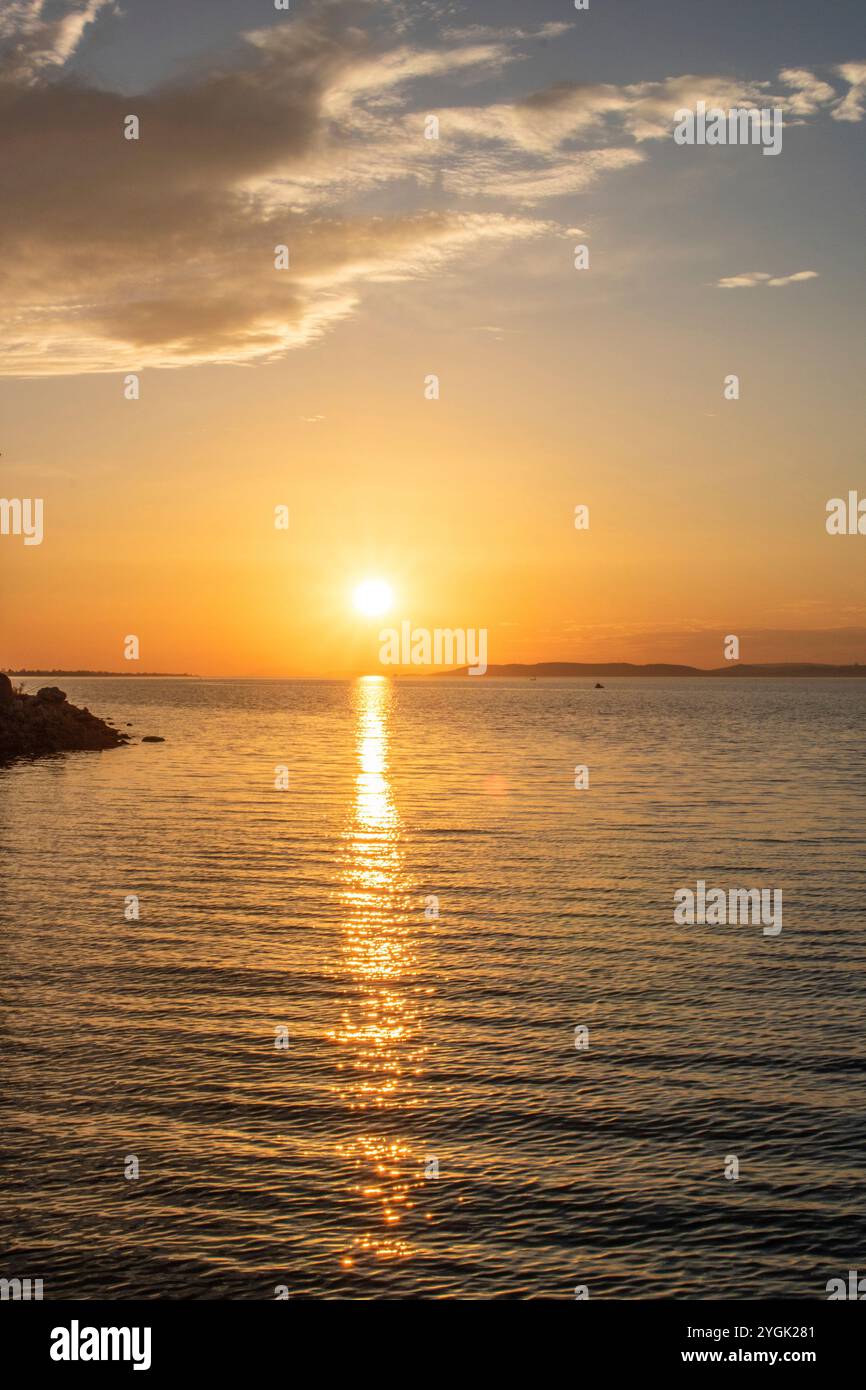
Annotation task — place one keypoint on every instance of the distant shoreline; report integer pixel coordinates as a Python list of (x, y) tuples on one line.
[(176, 675)]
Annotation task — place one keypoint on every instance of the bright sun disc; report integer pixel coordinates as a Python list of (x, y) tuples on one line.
[(373, 597)]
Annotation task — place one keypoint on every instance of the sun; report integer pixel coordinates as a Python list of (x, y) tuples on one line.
[(373, 597)]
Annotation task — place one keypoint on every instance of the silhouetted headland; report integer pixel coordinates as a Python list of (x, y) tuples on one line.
[(626, 668), (33, 725)]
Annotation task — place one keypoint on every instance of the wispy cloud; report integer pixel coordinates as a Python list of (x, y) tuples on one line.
[(168, 242), (750, 279), (808, 93), (853, 105), (32, 40)]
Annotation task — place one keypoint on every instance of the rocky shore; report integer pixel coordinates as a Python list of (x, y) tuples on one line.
[(32, 725)]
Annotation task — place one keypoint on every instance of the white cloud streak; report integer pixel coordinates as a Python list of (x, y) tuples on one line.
[(751, 279)]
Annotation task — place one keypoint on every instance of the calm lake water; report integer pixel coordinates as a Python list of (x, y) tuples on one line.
[(416, 1041)]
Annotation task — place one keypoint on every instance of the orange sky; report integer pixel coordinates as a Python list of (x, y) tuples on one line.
[(558, 387)]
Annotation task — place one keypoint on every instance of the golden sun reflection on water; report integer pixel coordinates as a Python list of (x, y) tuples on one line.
[(380, 1029)]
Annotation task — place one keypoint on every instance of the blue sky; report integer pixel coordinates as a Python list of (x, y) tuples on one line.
[(615, 40)]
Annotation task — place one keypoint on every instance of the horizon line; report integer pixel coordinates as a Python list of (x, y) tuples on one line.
[(537, 669)]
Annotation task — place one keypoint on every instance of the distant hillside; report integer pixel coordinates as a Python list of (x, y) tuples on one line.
[(593, 670)]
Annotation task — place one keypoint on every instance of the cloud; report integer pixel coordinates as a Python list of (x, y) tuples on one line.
[(118, 255), (230, 305), (750, 279), (853, 104), (508, 179), (31, 41), (473, 32), (794, 279), (566, 111), (809, 94)]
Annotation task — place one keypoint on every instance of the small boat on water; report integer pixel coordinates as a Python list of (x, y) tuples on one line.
[(599, 686)]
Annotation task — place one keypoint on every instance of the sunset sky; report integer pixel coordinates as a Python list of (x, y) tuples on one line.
[(410, 257)]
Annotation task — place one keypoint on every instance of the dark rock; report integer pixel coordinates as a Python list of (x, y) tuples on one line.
[(33, 725), (50, 695), (6, 691), (152, 738)]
